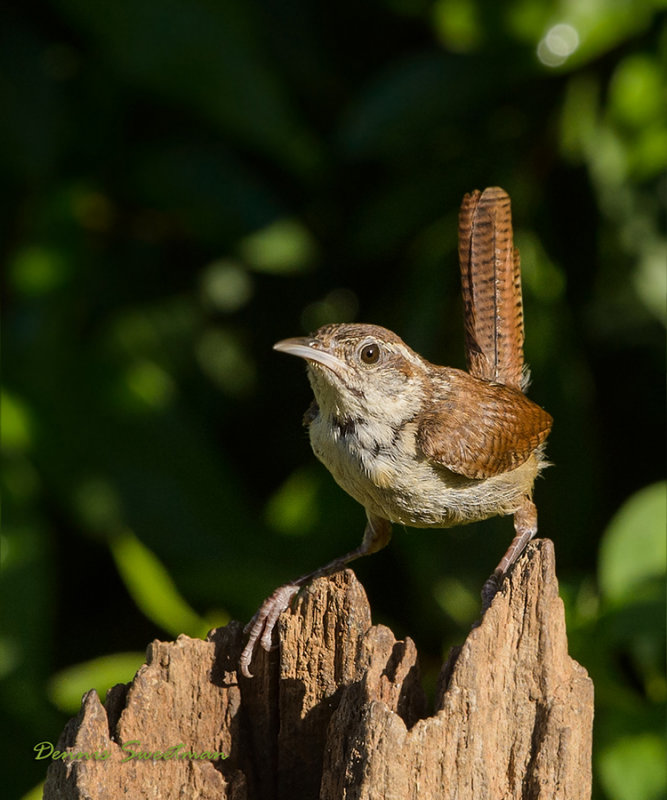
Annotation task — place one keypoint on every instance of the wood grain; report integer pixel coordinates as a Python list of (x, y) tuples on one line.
[(339, 711)]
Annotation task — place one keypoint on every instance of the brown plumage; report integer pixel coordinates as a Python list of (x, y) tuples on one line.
[(491, 286), (420, 444), (482, 429)]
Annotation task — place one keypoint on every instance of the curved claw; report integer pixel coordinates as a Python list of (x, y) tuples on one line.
[(260, 628), (489, 590)]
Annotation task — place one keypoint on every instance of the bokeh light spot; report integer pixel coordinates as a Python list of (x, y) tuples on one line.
[(226, 286), (223, 358), (558, 44), (16, 423), (37, 270), (285, 247)]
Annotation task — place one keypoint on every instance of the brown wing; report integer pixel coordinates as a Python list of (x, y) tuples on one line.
[(482, 429), (491, 287)]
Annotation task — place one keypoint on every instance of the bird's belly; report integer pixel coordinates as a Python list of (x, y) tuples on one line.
[(397, 485)]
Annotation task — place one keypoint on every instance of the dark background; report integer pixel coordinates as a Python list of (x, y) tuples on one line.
[(187, 182)]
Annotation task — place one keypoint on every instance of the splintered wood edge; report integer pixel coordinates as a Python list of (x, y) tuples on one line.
[(341, 688)]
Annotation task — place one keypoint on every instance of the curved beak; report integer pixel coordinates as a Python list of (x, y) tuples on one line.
[(305, 347)]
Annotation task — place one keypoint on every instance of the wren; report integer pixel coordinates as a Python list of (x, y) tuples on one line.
[(419, 444)]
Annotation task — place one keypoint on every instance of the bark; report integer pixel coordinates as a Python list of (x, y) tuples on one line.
[(338, 710)]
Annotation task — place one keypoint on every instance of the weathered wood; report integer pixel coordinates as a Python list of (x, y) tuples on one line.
[(338, 711), (513, 717)]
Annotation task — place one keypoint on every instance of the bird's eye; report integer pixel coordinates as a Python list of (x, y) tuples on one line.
[(370, 353)]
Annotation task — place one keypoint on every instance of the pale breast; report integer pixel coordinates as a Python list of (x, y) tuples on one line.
[(381, 469)]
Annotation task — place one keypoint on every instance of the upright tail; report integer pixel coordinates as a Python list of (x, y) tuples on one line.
[(493, 319), (491, 285)]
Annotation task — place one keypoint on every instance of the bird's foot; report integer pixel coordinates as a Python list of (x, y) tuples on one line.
[(260, 628), (490, 589)]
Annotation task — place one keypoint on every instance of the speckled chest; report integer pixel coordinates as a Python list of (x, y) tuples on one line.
[(381, 467)]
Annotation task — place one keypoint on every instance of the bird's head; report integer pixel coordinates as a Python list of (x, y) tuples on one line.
[(360, 371)]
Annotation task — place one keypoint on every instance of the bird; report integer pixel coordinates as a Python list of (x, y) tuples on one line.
[(423, 445)]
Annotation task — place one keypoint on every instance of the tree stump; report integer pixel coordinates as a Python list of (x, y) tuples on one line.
[(338, 710)]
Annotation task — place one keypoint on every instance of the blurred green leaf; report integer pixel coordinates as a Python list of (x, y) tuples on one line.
[(293, 509), (633, 550), (599, 26), (148, 384), (636, 93), (38, 270), (226, 361), (226, 285), (35, 794), (651, 276), (578, 118), (457, 24), (284, 247), (16, 422), (457, 600), (634, 768), (153, 589), (67, 687), (539, 274)]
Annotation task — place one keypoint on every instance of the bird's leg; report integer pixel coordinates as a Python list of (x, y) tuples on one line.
[(260, 628), (525, 525)]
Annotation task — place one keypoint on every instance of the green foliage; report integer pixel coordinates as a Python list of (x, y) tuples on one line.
[(633, 552), (67, 687), (633, 767), (152, 589), (620, 633), (632, 574), (185, 184)]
